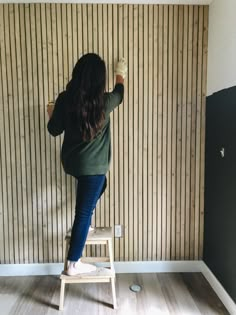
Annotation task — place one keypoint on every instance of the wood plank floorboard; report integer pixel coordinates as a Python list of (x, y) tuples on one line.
[(163, 293)]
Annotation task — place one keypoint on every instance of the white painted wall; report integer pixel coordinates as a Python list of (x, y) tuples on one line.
[(222, 46)]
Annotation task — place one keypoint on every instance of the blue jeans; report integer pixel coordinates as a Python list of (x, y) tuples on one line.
[(89, 190)]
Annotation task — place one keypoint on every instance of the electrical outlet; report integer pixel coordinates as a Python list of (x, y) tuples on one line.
[(118, 230)]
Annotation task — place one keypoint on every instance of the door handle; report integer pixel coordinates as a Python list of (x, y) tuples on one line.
[(222, 152)]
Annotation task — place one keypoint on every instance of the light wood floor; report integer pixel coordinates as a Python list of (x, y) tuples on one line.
[(163, 293)]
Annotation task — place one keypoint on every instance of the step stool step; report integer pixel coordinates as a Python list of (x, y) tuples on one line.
[(99, 273)]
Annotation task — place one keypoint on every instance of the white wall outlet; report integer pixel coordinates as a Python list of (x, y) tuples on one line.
[(118, 230)]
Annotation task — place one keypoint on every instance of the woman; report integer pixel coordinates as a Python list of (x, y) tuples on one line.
[(82, 112)]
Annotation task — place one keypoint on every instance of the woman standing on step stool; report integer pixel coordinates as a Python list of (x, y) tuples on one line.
[(82, 112)]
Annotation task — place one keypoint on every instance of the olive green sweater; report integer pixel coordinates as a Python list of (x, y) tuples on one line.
[(79, 157)]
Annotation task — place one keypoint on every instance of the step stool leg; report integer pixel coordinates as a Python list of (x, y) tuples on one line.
[(113, 288), (66, 253), (111, 254), (62, 295)]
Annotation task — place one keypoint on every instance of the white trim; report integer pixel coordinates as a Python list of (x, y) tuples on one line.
[(120, 267), (30, 269), (219, 289), (157, 266), (130, 267), (192, 2)]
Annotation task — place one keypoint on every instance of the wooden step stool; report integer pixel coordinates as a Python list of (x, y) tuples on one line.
[(100, 236)]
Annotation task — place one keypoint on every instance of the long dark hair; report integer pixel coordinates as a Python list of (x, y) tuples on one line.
[(86, 95)]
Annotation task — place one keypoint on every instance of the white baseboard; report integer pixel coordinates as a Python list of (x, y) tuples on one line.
[(219, 289), (120, 267), (157, 266), (30, 269), (130, 267)]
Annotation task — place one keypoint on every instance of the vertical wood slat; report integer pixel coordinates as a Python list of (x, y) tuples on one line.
[(4, 212), (203, 122), (126, 143), (40, 127), (48, 80), (14, 121), (155, 129), (43, 84), (164, 128), (116, 140), (169, 130), (174, 138), (193, 131), (156, 183), (23, 132), (183, 131), (134, 166), (65, 57), (36, 178), (178, 133), (30, 162), (140, 131), (144, 155), (8, 101), (159, 132), (107, 38), (109, 198), (120, 142), (198, 132), (56, 18), (149, 135), (188, 132)]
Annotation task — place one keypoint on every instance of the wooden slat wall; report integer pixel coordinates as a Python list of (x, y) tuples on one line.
[(156, 182)]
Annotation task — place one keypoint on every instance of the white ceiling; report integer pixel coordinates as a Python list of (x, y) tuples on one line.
[(200, 2)]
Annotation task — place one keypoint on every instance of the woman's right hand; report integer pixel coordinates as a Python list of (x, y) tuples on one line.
[(50, 108), (121, 68)]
